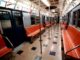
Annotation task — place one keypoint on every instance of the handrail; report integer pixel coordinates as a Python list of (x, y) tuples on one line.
[(73, 49), (8, 41)]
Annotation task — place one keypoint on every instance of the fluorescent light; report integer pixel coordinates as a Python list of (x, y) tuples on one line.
[(12, 1), (53, 10), (6, 0), (2, 4), (46, 2)]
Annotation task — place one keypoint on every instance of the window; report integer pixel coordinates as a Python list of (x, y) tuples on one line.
[(32, 19), (78, 18), (5, 20), (18, 18), (74, 18), (2, 3)]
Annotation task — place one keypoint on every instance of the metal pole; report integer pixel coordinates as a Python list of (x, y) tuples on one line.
[(78, 46), (40, 32), (50, 26), (15, 4)]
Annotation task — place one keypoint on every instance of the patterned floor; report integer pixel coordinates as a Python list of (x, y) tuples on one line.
[(51, 47)]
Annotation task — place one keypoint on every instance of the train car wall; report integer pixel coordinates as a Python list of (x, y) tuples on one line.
[(12, 26), (26, 19), (72, 12)]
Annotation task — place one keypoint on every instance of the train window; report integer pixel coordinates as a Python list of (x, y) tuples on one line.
[(2, 3), (5, 20), (32, 19), (26, 19), (78, 24), (74, 17), (17, 17), (67, 20), (47, 18), (37, 20), (43, 19)]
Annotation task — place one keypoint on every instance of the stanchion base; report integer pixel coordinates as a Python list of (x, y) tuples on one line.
[(54, 42), (38, 58), (49, 38), (52, 53), (41, 40), (20, 52), (44, 35), (33, 48)]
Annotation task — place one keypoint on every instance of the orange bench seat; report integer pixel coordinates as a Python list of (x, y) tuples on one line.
[(33, 34), (3, 48), (71, 39), (48, 24), (67, 43), (34, 30), (4, 51)]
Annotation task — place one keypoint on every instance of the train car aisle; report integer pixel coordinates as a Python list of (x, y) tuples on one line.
[(51, 48)]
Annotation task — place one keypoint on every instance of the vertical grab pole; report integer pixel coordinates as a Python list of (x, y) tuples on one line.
[(50, 26), (40, 32)]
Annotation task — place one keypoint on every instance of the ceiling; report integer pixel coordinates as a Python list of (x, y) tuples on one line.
[(53, 3)]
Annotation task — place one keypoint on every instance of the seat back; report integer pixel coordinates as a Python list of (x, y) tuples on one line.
[(63, 25), (40, 26), (2, 43), (47, 24), (3, 48), (75, 38), (32, 29), (69, 40), (75, 35)]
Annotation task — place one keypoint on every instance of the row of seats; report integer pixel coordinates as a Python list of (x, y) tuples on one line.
[(47, 24), (3, 48), (71, 42), (63, 24), (34, 30)]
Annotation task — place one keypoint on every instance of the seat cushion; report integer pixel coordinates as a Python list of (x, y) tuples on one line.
[(4, 51)]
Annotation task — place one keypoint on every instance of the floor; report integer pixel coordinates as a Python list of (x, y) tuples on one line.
[(51, 46)]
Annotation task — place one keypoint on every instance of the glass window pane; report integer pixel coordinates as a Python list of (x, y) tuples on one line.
[(2, 3), (5, 20)]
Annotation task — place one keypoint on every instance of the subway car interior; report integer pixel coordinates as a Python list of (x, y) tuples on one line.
[(39, 29)]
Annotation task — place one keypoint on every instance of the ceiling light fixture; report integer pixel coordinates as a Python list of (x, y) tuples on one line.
[(53, 10), (46, 2)]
